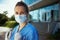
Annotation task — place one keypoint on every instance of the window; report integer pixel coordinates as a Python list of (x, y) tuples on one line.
[(44, 14), (34, 15)]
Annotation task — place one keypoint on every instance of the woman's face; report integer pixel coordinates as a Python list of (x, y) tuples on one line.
[(20, 14), (19, 10)]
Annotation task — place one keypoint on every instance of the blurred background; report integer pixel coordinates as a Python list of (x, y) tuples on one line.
[(43, 14)]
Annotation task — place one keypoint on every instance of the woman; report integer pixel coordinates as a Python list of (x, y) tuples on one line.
[(25, 30)]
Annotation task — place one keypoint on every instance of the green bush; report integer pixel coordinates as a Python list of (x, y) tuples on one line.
[(10, 24)]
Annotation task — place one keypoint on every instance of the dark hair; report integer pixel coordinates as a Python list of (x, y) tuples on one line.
[(22, 4)]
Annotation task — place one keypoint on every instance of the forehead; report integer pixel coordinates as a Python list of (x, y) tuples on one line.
[(19, 8)]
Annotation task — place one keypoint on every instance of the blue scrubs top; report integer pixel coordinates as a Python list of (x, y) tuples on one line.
[(29, 32)]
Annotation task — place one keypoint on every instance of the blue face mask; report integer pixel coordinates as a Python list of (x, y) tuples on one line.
[(20, 18)]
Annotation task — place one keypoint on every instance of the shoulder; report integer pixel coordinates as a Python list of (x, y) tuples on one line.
[(14, 29), (32, 32), (31, 28)]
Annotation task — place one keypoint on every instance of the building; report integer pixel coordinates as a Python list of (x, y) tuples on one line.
[(45, 15)]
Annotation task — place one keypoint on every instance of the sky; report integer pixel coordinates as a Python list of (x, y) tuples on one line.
[(8, 5)]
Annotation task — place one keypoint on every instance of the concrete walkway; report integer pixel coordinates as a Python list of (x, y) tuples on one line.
[(3, 30)]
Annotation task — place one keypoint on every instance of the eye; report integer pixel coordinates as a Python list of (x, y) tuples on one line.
[(16, 12)]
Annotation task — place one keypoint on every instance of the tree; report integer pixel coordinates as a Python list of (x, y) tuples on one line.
[(12, 18), (5, 12), (3, 19)]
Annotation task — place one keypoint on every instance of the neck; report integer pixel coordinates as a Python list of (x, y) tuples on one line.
[(22, 25)]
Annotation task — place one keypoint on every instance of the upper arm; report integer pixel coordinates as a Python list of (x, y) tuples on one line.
[(32, 36)]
